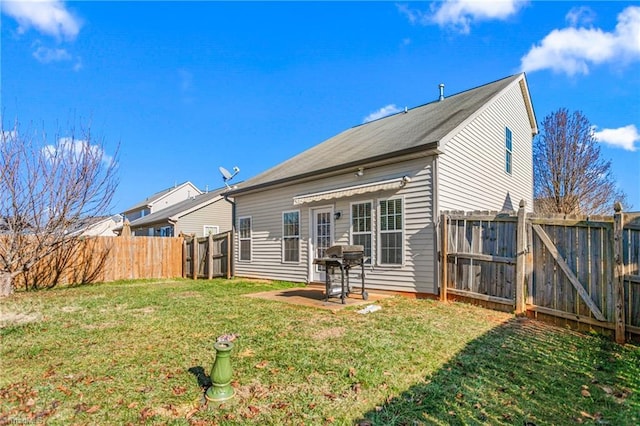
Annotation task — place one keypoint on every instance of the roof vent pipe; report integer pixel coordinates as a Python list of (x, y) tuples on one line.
[(441, 86)]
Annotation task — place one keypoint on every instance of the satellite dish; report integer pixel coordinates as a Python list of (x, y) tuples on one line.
[(227, 176), (225, 173)]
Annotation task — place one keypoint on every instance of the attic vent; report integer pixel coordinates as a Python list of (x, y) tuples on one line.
[(441, 86)]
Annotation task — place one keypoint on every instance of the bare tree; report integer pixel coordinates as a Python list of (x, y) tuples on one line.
[(570, 176), (46, 191)]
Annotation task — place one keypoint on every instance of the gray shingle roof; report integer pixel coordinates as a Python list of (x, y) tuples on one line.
[(162, 216), (152, 198), (419, 128)]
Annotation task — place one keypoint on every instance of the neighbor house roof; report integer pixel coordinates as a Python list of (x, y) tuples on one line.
[(174, 212), (414, 130), (159, 195)]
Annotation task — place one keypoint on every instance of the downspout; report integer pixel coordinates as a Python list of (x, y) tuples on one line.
[(232, 254), (173, 221), (436, 223)]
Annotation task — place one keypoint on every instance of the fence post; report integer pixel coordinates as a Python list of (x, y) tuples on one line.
[(521, 260), (444, 241), (184, 257), (229, 254), (618, 272), (210, 256), (195, 259)]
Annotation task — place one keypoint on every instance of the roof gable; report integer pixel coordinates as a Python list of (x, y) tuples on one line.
[(519, 80), (180, 209), (418, 129), (160, 195)]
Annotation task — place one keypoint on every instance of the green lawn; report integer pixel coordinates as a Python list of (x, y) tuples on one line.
[(141, 352)]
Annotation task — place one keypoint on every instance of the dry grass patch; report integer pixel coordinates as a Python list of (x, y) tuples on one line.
[(17, 318)]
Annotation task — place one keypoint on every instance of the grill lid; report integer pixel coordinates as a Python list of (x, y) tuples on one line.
[(341, 250)]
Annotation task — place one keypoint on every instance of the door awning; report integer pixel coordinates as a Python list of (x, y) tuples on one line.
[(349, 191)]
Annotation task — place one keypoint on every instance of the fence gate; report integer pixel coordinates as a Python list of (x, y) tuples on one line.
[(481, 256), (571, 274), (208, 257)]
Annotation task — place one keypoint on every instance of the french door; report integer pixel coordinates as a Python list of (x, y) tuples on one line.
[(322, 238)]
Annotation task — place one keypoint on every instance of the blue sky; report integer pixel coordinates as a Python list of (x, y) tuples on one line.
[(185, 87)]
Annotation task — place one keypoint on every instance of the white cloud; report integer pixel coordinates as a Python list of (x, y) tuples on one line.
[(48, 17), (572, 50), (583, 15), (622, 137), (46, 55), (414, 16), (9, 135), (460, 14), (76, 147), (382, 112)]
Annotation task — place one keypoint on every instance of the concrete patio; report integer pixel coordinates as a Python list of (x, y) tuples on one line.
[(314, 296)]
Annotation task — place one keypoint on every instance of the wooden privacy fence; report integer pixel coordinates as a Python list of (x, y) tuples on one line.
[(207, 257), (578, 268), (102, 259)]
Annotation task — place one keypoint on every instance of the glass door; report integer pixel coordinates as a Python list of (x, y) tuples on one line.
[(322, 238)]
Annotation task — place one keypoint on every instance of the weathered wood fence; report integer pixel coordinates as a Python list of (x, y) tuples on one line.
[(578, 268), (102, 259), (207, 257)]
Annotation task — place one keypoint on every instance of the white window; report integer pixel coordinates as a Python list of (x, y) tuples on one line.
[(244, 235), (210, 230), (391, 235), (508, 145), (291, 236), (361, 227), (166, 231)]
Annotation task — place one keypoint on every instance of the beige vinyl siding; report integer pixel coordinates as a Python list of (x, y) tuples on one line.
[(143, 232), (136, 214), (266, 207), (472, 172), (217, 214), (180, 194)]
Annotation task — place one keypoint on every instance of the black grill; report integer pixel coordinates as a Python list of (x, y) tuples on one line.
[(342, 257)]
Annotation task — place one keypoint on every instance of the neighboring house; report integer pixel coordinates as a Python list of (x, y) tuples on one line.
[(99, 226), (204, 214), (161, 200), (105, 226), (383, 185)]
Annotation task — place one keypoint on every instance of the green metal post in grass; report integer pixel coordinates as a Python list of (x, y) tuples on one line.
[(221, 372)]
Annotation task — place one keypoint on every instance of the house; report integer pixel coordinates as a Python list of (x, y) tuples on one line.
[(199, 215), (97, 226), (161, 200), (101, 226), (383, 185)]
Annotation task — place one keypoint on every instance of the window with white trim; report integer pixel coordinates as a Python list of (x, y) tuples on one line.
[(508, 145), (210, 230), (391, 234), (291, 236), (361, 229), (166, 231), (244, 236)]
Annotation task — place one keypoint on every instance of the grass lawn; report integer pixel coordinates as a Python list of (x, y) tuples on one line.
[(141, 352)]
